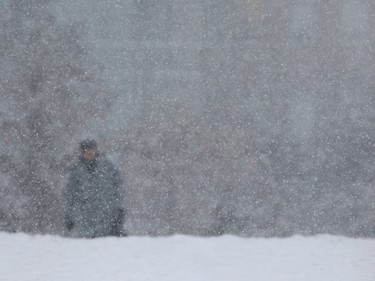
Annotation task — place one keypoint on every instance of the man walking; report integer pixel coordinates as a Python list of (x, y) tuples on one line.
[(94, 195)]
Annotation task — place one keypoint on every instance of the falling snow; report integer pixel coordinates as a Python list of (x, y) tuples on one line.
[(248, 118)]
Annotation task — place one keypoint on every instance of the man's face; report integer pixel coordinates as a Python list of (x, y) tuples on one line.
[(89, 154)]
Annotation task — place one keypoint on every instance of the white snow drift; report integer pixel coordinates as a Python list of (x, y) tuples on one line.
[(182, 258)]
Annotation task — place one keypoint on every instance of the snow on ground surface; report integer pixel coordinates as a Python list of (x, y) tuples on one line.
[(182, 258)]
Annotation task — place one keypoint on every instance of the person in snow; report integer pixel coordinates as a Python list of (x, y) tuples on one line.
[(94, 195)]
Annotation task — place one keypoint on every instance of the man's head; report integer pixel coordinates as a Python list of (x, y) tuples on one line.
[(89, 149)]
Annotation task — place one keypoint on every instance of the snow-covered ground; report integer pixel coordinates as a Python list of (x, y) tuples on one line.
[(182, 258)]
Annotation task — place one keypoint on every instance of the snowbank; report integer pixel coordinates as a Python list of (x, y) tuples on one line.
[(182, 258)]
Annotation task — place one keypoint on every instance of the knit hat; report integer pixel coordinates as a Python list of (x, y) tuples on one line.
[(88, 144)]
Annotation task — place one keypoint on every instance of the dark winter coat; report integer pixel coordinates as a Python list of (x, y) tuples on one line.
[(94, 198)]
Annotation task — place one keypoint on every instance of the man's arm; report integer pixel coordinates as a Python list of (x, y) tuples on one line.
[(120, 211), (69, 196), (118, 185)]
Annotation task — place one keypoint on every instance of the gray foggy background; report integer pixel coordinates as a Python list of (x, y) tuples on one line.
[(248, 117)]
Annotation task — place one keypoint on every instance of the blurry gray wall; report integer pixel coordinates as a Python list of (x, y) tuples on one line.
[(248, 117)]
